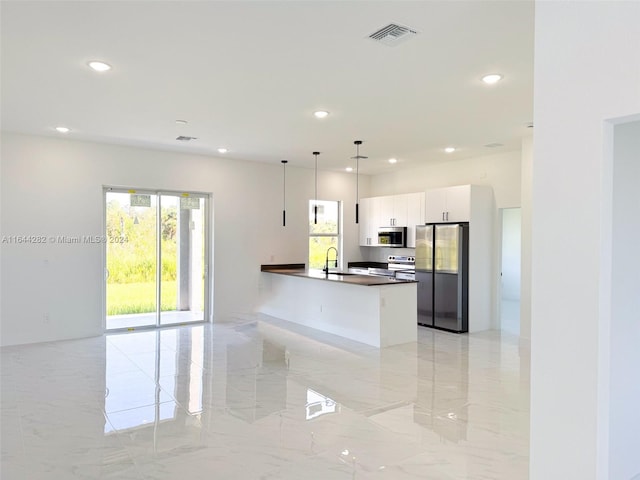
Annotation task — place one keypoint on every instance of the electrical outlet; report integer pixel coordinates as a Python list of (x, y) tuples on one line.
[(45, 318)]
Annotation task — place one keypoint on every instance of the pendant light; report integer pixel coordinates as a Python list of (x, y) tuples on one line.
[(315, 203), (284, 192), (357, 143)]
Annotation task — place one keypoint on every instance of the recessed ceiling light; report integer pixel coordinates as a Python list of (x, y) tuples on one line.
[(450, 149), (393, 160), (492, 78), (63, 129), (181, 122), (349, 169), (320, 114), (222, 150), (99, 66)]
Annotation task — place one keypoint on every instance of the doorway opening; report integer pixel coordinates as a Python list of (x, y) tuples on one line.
[(156, 257), (510, 272), (621, 276)]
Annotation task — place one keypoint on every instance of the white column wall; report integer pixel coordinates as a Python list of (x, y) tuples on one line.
[(586, 71), (53, 186), (526, 235)]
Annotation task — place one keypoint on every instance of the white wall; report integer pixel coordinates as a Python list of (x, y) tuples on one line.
[(499, 171), (586, 71), (53, 186), (526, 221)]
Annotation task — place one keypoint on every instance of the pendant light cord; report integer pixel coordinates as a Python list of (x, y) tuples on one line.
[(358, 143)]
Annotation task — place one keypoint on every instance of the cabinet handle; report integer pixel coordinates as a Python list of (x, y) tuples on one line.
[(443, 216), (447, 216)]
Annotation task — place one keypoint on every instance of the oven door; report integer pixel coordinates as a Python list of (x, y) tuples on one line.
[(405, 275)]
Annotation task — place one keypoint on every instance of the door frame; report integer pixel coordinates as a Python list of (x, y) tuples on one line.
[(208, 235)]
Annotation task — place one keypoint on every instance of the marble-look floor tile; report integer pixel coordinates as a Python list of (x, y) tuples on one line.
[(260, 398)]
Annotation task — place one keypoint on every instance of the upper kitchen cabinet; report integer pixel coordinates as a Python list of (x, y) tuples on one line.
[(462, 203), (368, 214), (393, 211), (406, 210), (450, 204)]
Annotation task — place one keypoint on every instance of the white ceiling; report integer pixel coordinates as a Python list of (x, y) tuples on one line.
[(248, 75)]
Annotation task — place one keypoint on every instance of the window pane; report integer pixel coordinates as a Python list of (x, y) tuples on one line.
[(318, 251), (327, 217)]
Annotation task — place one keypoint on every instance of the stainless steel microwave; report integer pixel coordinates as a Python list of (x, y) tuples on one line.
[(392, 236)]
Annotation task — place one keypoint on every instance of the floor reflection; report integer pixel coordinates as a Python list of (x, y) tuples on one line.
[(256, 379), (443, 386), (261, 398), (318, 404), (147, 372)]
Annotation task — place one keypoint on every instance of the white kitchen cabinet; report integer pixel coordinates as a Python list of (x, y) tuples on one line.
[(415, 216), (405, 210), (368, 213), (450, 204), (393, 211)]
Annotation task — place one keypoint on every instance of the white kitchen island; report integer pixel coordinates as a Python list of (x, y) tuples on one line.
[(378, 311)]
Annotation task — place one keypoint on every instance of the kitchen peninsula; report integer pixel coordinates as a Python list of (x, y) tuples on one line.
[(378, 311)]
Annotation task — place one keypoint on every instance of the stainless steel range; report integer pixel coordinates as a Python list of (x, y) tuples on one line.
[(404, 267), (398, 266)]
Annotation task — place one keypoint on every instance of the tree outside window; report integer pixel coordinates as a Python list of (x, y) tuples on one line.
[(324, 234)]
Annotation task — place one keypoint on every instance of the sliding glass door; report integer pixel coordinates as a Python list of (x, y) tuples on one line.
[(156, 257), (182, 253)]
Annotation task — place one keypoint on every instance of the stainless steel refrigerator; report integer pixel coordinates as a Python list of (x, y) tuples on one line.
[(442, 272)]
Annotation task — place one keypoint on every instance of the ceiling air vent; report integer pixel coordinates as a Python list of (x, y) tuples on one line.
[(393, 34), (182, 138), (494, 145)]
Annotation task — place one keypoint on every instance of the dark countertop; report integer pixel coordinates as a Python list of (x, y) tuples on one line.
[(282, 266), (342, 277), (368, 264)]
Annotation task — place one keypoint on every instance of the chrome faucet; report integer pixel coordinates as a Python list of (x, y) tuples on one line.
[(326, 260)]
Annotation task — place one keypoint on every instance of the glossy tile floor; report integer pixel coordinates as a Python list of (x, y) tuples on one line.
[(264, 399)]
